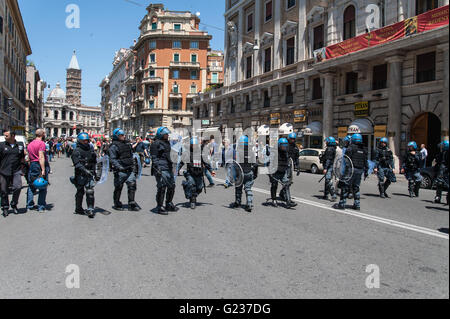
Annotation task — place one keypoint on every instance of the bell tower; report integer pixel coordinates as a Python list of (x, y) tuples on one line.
[(73, 82)]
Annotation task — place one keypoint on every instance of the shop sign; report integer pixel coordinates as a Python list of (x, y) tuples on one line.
[(342, 131), (353, 129), (205, 122), (362, 109), (274, 118), (380, 130), (299, 116)]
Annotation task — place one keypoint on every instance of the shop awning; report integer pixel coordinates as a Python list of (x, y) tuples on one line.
[(313, 128), (362, 126), (264, 130)]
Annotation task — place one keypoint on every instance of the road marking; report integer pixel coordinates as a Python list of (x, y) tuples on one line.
[(394, 223)]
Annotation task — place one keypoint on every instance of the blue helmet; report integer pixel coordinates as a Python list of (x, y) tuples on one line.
[(445, 145), (40, 183), (357, 138), (283, 142), (384, 140), (160, 132), (348, 139), (83, 136), (412, 144), (117, 132), (194, 141), (331, 141), (147, 161), (292, 135), (243, 140)]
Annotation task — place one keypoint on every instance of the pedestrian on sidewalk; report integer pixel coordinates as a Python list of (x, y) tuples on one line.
[(39, 167), (423, 156), (12, 160)]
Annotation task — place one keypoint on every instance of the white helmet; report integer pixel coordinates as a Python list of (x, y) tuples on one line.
[(286, 129), (264, 130)]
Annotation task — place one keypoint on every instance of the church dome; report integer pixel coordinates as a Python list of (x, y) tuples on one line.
[(57, 93)]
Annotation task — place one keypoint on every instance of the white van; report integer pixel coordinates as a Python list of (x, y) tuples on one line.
[(19, 138)]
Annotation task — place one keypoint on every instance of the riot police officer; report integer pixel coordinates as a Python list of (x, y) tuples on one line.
[(441, 169), (357, 153), (84, 162), (294, 152), (193, 185), (327, 160), (282, 174), (123, 165), (384, 167), (411, 168), (247, 161), (162, 169)]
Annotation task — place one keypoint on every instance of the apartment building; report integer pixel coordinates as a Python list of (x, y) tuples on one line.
[(335, 67), (215, 69), (34, 107)]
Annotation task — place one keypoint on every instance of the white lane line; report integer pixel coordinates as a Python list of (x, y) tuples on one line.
[(394, 223)]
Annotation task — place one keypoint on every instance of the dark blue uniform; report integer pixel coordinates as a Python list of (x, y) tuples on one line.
[(411, 165), (384, 162), (442, 178)]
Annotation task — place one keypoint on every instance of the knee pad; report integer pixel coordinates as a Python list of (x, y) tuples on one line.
[(90, 192), (132, 186)]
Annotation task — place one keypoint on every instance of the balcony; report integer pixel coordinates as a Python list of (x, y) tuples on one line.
[(129, 80), (191, 95), (185, 65), (149, 111), (139, 98), (152, 80), (139, 70), (175, 95), (215, 69)]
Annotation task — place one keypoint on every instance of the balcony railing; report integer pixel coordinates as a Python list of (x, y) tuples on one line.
[(191, 64), (215, 69), (175, 95), (152, 80)]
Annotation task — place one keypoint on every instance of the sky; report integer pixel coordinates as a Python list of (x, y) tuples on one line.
[(105, 27)]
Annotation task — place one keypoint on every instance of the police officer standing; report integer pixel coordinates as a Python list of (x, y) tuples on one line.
[(193, 185), (12, 158), (441, 169), (411, 168), (121, 157), (359, 157), (328, 162), (162, 169), (294, 152), (84, 161), (384, 167), (249, 167), (282, 174)]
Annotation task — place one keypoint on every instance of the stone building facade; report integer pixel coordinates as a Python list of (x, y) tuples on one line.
[(34, 100), (275, 72), (64, 114)]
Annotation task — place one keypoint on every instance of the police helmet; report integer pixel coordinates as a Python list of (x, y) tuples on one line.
[(384, 140), (40, 183), (293, 135), (331, 141), (194, 141), (413, 145), (83, 137), (357, 138), (445, 145), (161, 132), (243, 140), (117, 132)]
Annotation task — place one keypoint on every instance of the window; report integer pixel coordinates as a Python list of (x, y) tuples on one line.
[(152, 58), (175, 88), (289, 95), (268, 15), (232, 106), (1, 25), (63, 115), (267, 59), (248, 103), (351, 83), (379, 77), (218, 109), (194, 75), (176, 74), (266, 99), (194, 58), (250, 22), (70, 116), (175, 104), (290, 51), (290, 4), (151, 90), (426, 67), (215, 78), (317, 89), (176, 44), (177, 26), (318, 37), (176, 57), (151, 104), (194, 45), (248, 67), (425, 5), (193, 89), (154, 25), (56, 115), (152, 44), (349, 22)]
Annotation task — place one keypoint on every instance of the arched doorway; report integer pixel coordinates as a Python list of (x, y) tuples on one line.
[(426, 129)]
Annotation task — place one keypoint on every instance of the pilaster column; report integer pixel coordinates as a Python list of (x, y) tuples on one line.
[(241, 30), (301, 41), (445, 96), (276, 9), (328, 104), (257, 26), (395, 105)]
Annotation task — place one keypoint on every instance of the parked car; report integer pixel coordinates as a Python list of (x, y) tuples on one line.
[(429, 177), (309, 160)]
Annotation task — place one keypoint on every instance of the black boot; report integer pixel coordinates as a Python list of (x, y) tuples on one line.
[(132, 205), (381, 190), (193, 202), (235, 205), (5, 212), (116, 197), (15, 209), (249, 207), (437, 199), (273, 196), (161, 192), (411, 189), (79, 204), (169, 197), (386, 185), (416, 189), (90, 213)]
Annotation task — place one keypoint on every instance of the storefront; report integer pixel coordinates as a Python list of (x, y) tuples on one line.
[(313, 136), (366, 129)]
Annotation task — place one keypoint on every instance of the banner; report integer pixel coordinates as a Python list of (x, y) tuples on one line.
[(299, 116), (424, 22), (361, 109), (274, 118)]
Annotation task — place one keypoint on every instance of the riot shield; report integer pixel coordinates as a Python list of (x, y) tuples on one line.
[(343, 168), (235, 174), (102, 169), (137, 166)]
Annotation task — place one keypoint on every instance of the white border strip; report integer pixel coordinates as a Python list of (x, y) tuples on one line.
[(390, 222)]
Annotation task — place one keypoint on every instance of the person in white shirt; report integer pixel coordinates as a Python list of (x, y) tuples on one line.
[(423, 155)]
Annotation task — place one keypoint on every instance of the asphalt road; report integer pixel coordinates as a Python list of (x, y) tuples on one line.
[(312, 251)]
